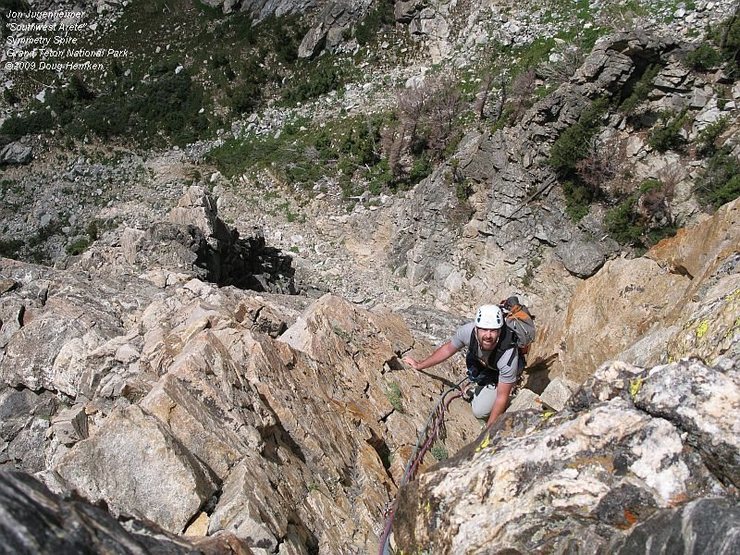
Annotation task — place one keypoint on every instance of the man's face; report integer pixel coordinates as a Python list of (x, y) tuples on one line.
[(487, 338)]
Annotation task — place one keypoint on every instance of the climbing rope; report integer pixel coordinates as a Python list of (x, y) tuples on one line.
[(433, 429)]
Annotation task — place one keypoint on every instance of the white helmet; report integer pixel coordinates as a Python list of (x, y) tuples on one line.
[(489, 317)]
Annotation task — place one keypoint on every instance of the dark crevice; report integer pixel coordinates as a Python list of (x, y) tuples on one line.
[(276, 435), (394, 363), (681, 270), (385, 417), (384, 453)]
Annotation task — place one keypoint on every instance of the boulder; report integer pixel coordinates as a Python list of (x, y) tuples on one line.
[(623, 451), (15, 154), (137, 468), (557, 393), (581, 258)]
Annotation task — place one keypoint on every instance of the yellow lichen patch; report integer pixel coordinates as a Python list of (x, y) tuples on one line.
[(702, 329), (483, 444), (547, 414), (635, 386)]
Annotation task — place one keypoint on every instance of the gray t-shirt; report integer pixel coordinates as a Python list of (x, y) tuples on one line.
[(507, 371)]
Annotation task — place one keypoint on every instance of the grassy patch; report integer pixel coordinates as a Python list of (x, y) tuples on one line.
[(304, 153), (393, 394)]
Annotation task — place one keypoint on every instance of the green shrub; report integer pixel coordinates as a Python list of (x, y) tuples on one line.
[(666, 135), (370, 25), (621, 223), (10, 248), (245, 98), (106, 118), (578, 199), (708, 136), (314, 79), (574, 143), (305, 153), (439, 451), (393, 394), (27, 124), (720, 183), (78, 246), (727, 37), (640, 90), (704, 57), (628, 227), (420, 169)]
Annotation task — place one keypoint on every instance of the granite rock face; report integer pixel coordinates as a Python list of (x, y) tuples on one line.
[(619, 457), (187, 404), (679, 300), (709, 525)]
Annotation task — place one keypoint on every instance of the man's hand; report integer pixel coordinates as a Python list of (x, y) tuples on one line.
[(412, 362), (440, 355)]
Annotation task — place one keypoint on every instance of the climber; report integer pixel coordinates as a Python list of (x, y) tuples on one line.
[(492, 360)]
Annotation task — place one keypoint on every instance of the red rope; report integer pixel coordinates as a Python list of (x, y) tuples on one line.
[(435, 424)]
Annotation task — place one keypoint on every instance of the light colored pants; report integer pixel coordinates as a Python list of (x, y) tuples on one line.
[(483, 400)]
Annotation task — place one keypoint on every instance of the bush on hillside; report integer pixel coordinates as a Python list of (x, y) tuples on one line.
[(704, 57), (574, 143), (639, 91), (642, 219), (29, 123), (720, 183), (378, 17), (666, 135)]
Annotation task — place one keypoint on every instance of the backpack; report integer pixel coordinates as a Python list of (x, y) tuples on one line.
[(519, 320)]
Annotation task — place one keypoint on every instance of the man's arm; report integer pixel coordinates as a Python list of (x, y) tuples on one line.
[(440, 355), (503, 391)]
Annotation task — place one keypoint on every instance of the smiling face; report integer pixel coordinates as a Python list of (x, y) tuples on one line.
[(487, 338)]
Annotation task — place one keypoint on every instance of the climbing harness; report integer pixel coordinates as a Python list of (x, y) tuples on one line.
[(433, 429)]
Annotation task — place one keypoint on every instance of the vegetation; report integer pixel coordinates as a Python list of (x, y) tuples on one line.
[(78, 246), (574, 143), (726, 37), (721, 180), (639, 91), (379, 16), (304, 153), (439, 451), (315, 78), (642, 219), (30, 123), (706, 142), (704, 57), (666, 135), (393, 394), (573, 146)]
